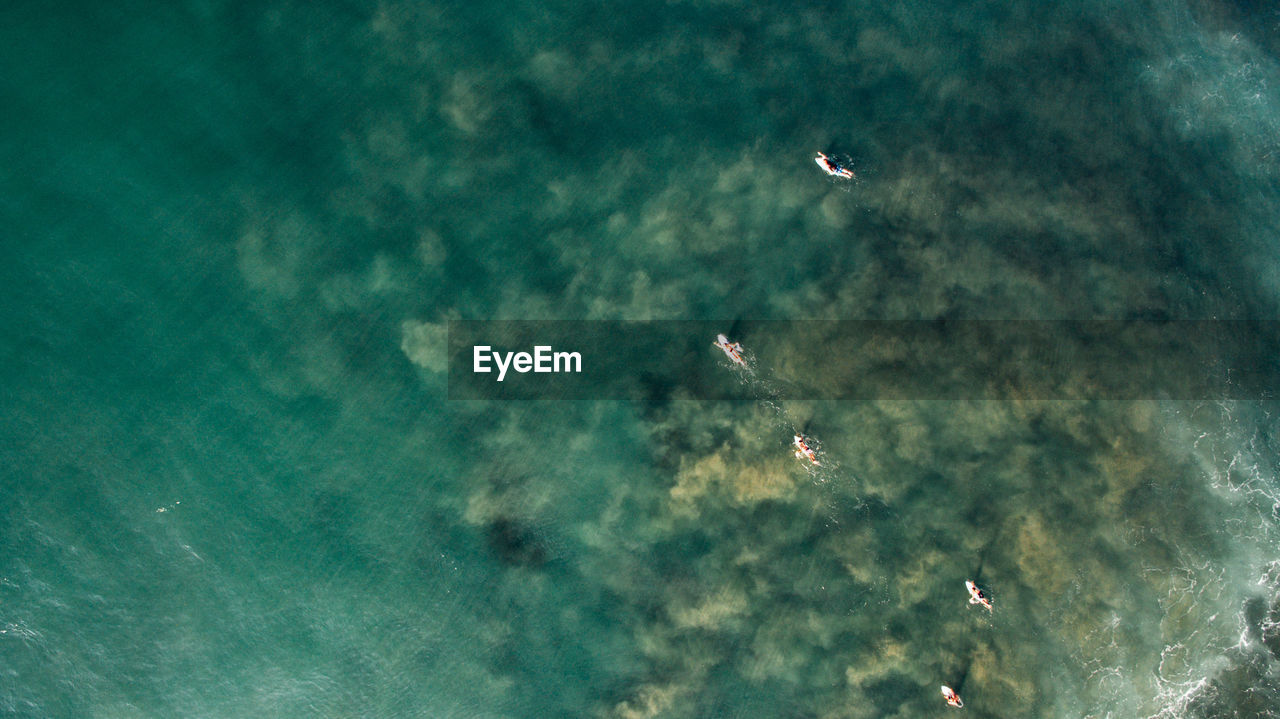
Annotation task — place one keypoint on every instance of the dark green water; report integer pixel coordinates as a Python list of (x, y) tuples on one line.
[(234, 235)]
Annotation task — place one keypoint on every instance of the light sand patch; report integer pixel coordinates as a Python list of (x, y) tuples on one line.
[(651, 700), (835, 209), (1040, 557), (743, 483), (912, 441), (776, 651), (390, 153), (714, 609), (995, 678), (355, 291), (273, 255), (430, 250), (888, 656), (465, 106), (1124, 468), (556, 73), (919, 580), (424, 343)]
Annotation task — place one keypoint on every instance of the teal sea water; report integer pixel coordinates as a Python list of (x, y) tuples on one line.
[(234, 234)]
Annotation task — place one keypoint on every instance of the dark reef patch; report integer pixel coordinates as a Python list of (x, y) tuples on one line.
[(515, 544)]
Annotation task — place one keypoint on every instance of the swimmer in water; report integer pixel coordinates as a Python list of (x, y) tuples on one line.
[(952, 698), (804, 451), (833, 167), (732, 349), (977, 596)]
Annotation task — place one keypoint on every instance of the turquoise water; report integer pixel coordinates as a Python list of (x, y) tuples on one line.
[(235, 234)]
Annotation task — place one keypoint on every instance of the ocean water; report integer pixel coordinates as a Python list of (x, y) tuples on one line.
[(235, 233)]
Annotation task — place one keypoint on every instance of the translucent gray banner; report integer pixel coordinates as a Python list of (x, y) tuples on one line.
[(864, 359)]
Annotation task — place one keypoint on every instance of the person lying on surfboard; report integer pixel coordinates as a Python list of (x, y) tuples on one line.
[(977, 596), (952, 698), (732, 349), (833, 167), (803, 451)]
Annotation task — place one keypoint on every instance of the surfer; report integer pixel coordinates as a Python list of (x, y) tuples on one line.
[(977, 596), (833, 167), (952, 698), (732, 349), (804, 451)]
